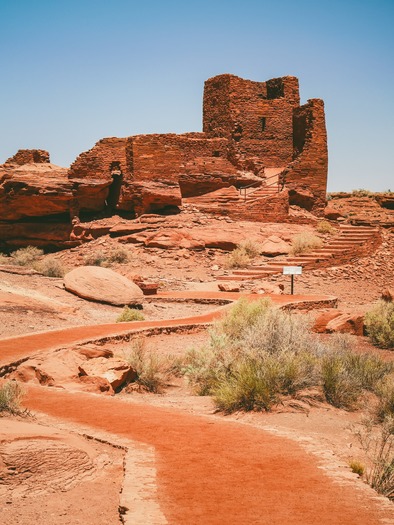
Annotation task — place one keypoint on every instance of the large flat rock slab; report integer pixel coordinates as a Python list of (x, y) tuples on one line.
[(103, 285)]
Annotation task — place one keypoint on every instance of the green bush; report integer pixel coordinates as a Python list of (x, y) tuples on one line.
[(26, 256), (379, 324), (258, 354), (130, 314), (305, 242), (385, 392), (11, 394)]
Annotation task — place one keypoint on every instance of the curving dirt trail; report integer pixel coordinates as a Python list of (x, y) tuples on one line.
[(209, 471)]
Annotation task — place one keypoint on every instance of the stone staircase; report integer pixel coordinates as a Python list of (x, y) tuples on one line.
[(351, 241)]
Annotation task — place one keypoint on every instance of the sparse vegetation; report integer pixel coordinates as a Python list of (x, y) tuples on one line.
[(378, 444), (379, 323), (357, 467), (11, 394), (153, 370), (27, 256), (259, 354), (325, 227), (243, 254), (362, 193), (97, 258), (50, 267), (130, 314), (305, 242), (385, 392), (100, 258)]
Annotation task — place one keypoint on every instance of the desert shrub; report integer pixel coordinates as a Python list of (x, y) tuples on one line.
[(256, 354), (11, 394), (4, 259), (357, 467), (325, 227), (238, 258), (361, 193), (118, 255), (26, 256), (153, 370), (378, 444), (50, 267), (385, 392), (341, 387), (97, 258), (304, 242), (243, 254), (130, 314), (379, 323)]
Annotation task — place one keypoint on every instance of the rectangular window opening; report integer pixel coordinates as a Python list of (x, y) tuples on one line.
[(263, 121)]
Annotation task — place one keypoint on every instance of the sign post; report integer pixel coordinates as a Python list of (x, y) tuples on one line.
[(292, 270)]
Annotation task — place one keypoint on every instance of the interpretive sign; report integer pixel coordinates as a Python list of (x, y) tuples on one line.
[(292, 270)]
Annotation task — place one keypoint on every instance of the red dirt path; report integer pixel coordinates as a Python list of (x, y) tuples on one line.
[(210, 471)]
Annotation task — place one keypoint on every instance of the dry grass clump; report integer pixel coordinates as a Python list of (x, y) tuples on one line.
[(258, 354), (325, 227), (50, 267), (362, 193), (100, 258), (130, 314), (11, 394), (23, 257), (305, 242), (243, 254), (379, 323), (153, 370), (378, 445)]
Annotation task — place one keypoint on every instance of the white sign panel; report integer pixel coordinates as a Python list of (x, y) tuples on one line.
[(292, 270)]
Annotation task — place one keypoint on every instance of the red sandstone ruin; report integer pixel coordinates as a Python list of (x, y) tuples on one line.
[(259, 152)]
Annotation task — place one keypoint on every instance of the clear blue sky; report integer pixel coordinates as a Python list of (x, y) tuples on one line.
[(77, 71)]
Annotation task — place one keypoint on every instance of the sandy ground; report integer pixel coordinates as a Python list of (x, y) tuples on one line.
[(86, 489)]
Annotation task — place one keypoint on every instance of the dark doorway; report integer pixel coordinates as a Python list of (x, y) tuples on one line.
[(115, 187)]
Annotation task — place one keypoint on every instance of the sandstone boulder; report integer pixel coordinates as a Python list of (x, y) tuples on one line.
[(113, 370), (388, 295), (92, 352), (332, 214), (103, 285), (347, 323), (228, 287), (274, 246), (268, 288), (321, 321)]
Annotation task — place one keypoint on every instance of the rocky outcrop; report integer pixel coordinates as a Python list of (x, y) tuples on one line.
[(251, 130), (274, 246), (103, 285)]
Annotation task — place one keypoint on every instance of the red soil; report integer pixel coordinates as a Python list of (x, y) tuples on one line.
[(212, 471)]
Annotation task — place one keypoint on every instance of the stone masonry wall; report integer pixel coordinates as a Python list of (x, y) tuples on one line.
[(308, 172), (256, 116)]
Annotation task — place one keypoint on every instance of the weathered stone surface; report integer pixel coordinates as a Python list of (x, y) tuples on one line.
[(115, 371), (170, 239), (347, 323), (228, 287), (102, 285), (274, 246), (331, 213), (268, 288), (251, 131), (91, 352), (321, 321), (388, 295)]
